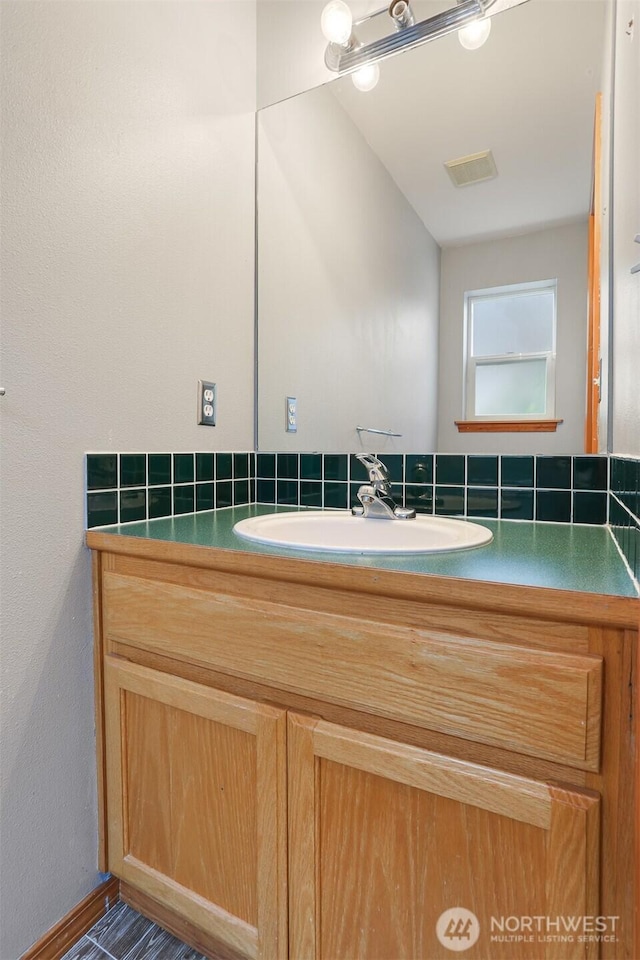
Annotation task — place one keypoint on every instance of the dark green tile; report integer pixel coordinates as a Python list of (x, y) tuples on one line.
[(482, 502), (336, 495), (183, 471), (133, 469), (102, 471), (419, 496), (335, 466), (205, 499), (266, 491), (183, 499), (160, 504), (358, 471), (449, 501), (419, 468), (553, 505), (224, 493), (617, 474), (449, 468), (224, 466), (590, 473), (589, 507), (102, 509), (311, 466), (205, 466), (311, 493), (241, 467), (252, 489), (287, 466), (482, 471), (133, 505), (516, 504), (553, 472), (516, 471), (394, 462), (266, 466), (287, 491), (240, 491), (159, 469)]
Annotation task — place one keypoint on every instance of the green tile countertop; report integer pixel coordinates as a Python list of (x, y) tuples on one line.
[(559, 556)]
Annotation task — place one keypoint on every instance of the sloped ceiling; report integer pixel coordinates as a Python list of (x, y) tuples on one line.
[(528, 95)]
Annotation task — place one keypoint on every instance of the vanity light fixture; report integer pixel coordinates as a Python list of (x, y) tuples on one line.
[(475, 34), (344, 54), (366, 77)]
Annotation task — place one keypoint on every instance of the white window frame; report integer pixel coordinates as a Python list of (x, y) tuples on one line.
[(472, 363)]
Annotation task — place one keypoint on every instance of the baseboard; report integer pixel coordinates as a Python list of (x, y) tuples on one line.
[(55, 943)]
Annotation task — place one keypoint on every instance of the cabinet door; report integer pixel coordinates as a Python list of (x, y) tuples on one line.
[(197, 804), (385, 838)]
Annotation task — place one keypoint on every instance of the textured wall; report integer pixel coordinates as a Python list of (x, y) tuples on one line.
[(127, 241), (560, 252)]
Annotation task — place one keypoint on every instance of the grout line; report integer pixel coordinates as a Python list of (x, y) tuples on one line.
[(100, 947)]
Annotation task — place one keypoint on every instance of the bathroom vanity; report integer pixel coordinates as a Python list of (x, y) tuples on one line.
[(318, 757)]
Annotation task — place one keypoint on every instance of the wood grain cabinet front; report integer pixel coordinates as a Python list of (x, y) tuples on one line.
[(197, 806), (297, 768), (388, 841)]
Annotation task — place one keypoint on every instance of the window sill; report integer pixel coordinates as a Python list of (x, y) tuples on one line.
[(507, 426)]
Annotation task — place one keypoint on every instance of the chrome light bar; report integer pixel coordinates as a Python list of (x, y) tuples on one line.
[(343, 59)]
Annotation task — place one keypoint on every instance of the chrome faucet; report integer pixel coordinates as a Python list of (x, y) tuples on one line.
[(375, 496)]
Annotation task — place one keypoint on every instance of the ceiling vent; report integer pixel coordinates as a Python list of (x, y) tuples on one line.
[(472, 169)]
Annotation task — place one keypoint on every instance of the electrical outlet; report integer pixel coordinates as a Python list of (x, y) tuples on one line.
[(291, 415), (206, 403)]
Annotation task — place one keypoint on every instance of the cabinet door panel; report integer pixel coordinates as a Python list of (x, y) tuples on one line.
[(197, 807), (385, 838)]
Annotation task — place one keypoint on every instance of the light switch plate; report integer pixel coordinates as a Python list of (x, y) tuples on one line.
[(206, 403)]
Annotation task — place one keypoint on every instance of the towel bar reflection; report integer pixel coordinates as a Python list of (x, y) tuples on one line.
[(382, 433)]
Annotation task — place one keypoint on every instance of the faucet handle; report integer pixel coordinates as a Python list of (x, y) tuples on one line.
[(378, 473)]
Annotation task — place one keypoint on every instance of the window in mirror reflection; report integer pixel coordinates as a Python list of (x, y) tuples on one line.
[(510, 335)]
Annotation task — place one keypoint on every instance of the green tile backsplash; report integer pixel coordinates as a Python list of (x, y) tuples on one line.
[(584, 489), (125, 487)]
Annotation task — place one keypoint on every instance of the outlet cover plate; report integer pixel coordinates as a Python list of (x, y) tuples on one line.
[(206, 403)]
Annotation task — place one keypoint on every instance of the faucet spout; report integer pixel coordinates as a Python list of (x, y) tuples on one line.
[(375, 497)]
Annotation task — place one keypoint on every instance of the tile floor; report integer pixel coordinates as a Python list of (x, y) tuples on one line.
[(123, 934)]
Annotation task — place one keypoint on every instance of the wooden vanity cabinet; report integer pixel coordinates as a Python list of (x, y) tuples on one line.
[(311, 761), (196, 793)]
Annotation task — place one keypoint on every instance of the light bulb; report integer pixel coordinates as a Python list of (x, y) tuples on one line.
[(366, 77), (474, 34), (336, 22)]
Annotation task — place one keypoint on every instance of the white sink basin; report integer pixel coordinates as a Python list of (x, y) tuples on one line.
[(338, 531)]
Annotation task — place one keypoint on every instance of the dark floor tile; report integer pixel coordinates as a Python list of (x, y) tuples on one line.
[(86, 949), (157, 943), (120, 930)]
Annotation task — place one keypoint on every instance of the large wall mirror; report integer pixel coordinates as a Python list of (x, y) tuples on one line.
[(366, 248)]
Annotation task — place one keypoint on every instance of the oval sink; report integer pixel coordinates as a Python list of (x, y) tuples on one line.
[(338, 531)]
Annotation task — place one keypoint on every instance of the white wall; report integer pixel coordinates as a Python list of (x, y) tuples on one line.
[(347, 291), (127, 240), (625, 425), (559, 253)]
